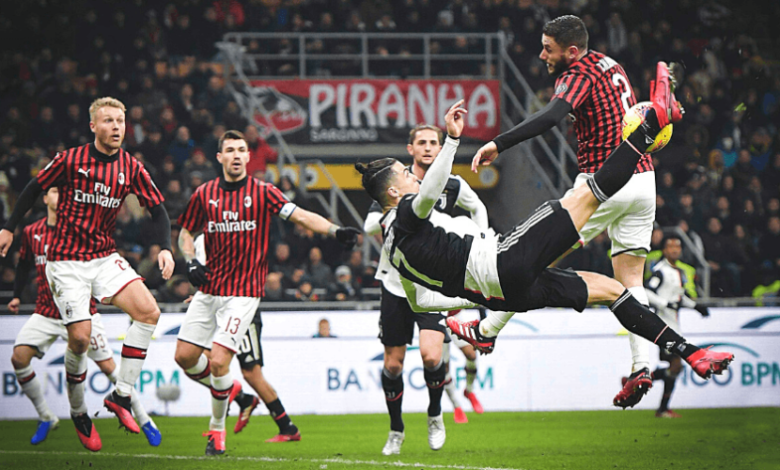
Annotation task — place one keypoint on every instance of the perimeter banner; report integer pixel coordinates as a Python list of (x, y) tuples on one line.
[(316, 112)]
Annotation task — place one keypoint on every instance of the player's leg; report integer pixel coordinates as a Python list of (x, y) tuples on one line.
[(432, 337), (249, 354), (471, 374), (669, 374), (195, 336), (458, 415), (287, 430)]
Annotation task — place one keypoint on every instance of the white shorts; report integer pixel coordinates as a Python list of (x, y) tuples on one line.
[(217, 319), (627, 216), (74, 282), (41, 332)]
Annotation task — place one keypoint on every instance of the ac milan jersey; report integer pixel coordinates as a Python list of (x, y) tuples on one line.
[(36, 242), (92, 188), (600, 94), (235, 219)]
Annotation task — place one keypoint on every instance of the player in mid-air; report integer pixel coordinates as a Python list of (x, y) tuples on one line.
[(449, 264), (82, 261), (397, 320), (234, 213), (595, 90), (45, 326)]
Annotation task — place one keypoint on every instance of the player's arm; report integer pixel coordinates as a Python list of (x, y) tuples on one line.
[(161, 224), (372, 225), (423, 300), (651, 288), (186, 244), (197, 272), (22, 275), (23, 204), (688, 302), (468, 200), (347, 236)]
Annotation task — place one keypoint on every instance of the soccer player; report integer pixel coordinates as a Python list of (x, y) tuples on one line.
[(45, 326), (397, 320), (82, 261), (666, 292), (458, 415), (595, 90), (437, 255), (234, 213)]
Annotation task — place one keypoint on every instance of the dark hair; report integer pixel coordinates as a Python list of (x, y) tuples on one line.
[(230, 135), (376, 177), (567, 30), (669, 237), (423, 127)]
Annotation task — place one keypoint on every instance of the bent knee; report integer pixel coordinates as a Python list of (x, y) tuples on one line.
[(19, 361)]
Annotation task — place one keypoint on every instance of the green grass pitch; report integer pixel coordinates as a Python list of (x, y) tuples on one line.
[(747, 438)]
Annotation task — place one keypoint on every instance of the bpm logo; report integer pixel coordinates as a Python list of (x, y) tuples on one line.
[(752, 372)]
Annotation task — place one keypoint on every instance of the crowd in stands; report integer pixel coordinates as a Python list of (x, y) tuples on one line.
[(719, 180)]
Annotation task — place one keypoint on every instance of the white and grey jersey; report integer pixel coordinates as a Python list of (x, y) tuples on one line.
[(665, 288)]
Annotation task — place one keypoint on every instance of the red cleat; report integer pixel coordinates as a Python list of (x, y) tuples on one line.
[(469, 332), (245, 414), (87, 433), (216, 444), (459, 415), (667, 108), (666, 414), (120, 406), (285, 437), (634, 388), (474, 402), (706, 362), (234, 392)]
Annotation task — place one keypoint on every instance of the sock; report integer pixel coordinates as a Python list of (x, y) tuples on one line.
[(659, 374), (201, 372), (640, 347), (621, 163), (668, 389), (393, 386), (471, 374), (243, 399), (638, 319), (133, 355), (452, 392), (434, 379), (494, 322), (76, 374), (31, 387), (139, 412), (283, 421), (220, 391)]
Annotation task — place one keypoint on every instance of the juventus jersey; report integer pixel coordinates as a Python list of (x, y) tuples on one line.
[(666, 287)]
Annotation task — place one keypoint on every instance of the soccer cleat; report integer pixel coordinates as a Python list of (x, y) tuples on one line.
[(120, 406), (474, 402), (393, 444), (285, 437), (216, 444), (234, 392), (42, 432), (667, 108), (436, 433), (459, 416), (666, 414), (152, 434), (469, 332), (245, 414), (87, 433), (706, 362), (634, 388)]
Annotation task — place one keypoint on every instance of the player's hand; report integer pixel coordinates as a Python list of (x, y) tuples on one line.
[(165, 261), (347, 236), (705, 312), (673, 306), (454, 119), (484, 156), (6, 238), (13, 305), (197, 274)]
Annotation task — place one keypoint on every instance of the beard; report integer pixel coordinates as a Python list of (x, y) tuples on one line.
[(558, 68)]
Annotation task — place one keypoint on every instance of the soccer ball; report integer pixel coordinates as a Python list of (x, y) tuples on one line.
[(635, 116)]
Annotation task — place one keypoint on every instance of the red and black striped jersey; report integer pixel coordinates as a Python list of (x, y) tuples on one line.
[(93, 187), (235, 218), (36, 242), (600, 94)]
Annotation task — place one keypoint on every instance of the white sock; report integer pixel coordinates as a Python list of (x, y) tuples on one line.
[(471, 374), (494, 323), (452, 393), (640, 347), (31, 387), (138, 409), (76, 374), (139, 335), (220, 391), (201, 372)]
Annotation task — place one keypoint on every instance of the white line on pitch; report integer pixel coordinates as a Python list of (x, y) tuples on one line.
[(252, 459)]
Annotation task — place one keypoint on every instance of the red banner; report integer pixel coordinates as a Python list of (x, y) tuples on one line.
[(381, 111)]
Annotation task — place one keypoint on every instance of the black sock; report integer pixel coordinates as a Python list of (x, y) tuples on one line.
[(668, 389), (393, 387), (434, 379), (639, 320), (244, 399), (659, 374), (621, 163), (280, 417)]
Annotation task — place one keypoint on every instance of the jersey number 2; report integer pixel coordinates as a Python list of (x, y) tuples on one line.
[(621, 82)]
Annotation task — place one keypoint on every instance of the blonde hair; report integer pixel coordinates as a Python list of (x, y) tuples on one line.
[(105, 101)]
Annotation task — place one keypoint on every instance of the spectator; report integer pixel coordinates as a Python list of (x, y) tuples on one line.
[(305, 292), (323, 330), (175, 198), (725, 274), (46, 132), (274, 291), (198, 164), (319, 273), (343, 288), (260, 153), (769, 246), (214, 98), (176, 290), (182, 146), (282, 263)]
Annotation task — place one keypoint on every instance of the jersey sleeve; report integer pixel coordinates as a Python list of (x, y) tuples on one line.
[(145, 189), (194, 216), (25, 252), (372, 224), (572, 87), (53, 173), (406, 219), (277, 202)]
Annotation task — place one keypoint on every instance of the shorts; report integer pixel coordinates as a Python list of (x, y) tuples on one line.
[(250, 351), (41, 332), (627, 216), (396, 320), (218, 319), (74, 282)]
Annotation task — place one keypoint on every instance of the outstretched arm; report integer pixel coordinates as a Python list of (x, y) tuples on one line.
[(347, 236), (423, 300), (25, 202)]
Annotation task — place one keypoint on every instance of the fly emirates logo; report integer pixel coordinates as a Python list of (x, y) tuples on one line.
[(99, 197), (231, 224)]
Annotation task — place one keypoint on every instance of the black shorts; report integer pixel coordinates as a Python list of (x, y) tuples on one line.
[(396, 321), (250, 353)]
